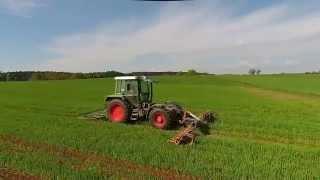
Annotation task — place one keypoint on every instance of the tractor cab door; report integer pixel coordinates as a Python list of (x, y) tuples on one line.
[(132, 91), (145, 91), (128, 89)]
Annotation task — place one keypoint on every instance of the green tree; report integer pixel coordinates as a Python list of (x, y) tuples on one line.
[(252, 71), (258, 72), (192, 72)]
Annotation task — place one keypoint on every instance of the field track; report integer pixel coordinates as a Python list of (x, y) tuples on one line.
[(281, 95)]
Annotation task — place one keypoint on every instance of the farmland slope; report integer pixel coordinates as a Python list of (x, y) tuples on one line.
[(267, 128)]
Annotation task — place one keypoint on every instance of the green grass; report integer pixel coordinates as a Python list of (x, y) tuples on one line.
[(268, 127), (300, 83)]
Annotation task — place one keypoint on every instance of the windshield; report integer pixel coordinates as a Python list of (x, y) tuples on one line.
[(132, 87)]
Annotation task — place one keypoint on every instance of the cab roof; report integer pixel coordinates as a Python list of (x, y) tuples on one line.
[(130, 77)]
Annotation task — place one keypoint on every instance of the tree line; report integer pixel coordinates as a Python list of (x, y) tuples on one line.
[(51, 75)]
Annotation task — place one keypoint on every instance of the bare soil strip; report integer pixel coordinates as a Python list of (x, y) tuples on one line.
[(107, 165), (12, 174)]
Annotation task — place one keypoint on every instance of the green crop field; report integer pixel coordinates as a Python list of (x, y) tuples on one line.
[(268, 127)]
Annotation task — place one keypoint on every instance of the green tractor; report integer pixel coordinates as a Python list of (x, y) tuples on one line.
[(132, 101)]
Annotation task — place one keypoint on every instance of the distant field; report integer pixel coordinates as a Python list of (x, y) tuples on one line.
[(268, 128), (293, 83)]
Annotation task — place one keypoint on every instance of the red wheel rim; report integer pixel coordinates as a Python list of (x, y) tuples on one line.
[(117, 113), (159, 120)]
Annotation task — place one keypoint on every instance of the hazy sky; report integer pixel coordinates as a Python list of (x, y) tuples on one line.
[(226, 36)]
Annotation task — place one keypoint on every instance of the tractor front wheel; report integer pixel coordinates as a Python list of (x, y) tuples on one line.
[(160, 118), (117, 111)]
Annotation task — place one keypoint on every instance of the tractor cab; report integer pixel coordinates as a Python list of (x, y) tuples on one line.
[(136, 89)]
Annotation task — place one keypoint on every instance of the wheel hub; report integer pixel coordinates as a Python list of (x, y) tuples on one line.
[(117, 113), (159, 120)]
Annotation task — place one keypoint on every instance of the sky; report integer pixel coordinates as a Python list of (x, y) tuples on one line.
[(215, 36)]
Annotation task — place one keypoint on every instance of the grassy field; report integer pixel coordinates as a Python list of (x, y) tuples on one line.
[(268, 127)]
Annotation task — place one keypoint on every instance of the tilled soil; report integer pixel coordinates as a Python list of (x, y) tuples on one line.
[(12, 174)]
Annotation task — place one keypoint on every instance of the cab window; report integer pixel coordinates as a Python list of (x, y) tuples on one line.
[(145, 91), (144, 87), (132, 87)]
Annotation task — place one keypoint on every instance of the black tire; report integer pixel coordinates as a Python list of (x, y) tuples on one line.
[(118, 111), (160, 118)]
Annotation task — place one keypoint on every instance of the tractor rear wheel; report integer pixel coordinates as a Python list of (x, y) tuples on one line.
[(160, 118), (117, 111)]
